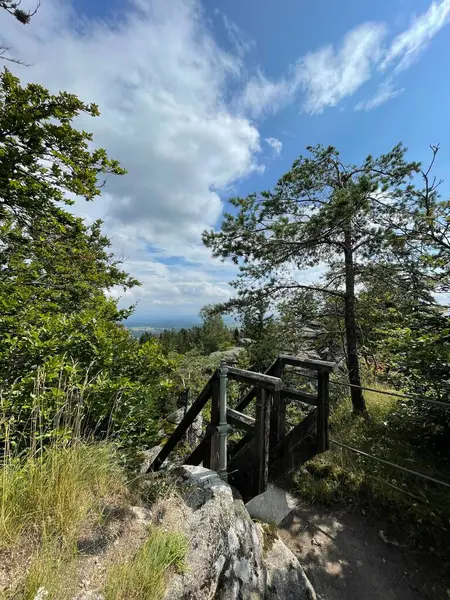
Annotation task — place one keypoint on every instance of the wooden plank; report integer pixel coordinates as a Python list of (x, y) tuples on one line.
[(312, 365), (278, 411), (211, 454), (240, 466), (299, 395), (186, 421), (240, 420), (261, 443), (251, 393), (197, 455), (260, 379), (238, 449), (323, 411), (298, 446)]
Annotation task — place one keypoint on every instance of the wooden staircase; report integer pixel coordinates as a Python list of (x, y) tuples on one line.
[(268, 450)]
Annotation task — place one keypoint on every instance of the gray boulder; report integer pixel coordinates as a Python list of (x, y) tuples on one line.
[(148, 458), (195, 431), (176, 416), (230, 356), (285, 576), (226, 558)]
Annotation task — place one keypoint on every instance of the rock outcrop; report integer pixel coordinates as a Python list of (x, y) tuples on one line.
[(286, 578), (195, 431), (228, 558)]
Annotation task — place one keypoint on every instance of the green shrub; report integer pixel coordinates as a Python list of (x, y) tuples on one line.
[(80, 374)]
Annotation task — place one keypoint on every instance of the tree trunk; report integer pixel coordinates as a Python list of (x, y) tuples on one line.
[(358, 402)]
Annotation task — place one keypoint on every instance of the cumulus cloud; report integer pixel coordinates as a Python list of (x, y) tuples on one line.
[(159, 79), (275, 144), (162, 84)]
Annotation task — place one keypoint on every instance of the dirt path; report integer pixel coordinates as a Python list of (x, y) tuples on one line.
[(345, 558)]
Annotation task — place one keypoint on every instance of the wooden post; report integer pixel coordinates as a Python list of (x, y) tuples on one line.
[(278, 411), (323, 410), (261, 442), (211, 456)]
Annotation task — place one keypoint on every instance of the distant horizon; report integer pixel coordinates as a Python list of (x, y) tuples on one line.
[(168, 322)]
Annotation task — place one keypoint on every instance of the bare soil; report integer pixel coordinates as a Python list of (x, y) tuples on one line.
[(350, 556)]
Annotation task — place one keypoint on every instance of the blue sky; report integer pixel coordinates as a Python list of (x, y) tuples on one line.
[(201, 100)]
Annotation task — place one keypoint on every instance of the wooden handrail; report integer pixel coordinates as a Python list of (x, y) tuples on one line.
[(248, 396), (184, 424), (240, 420), (259, 379), (295, 394), (312, 365)]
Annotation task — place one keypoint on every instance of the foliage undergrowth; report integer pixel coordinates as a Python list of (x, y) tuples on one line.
[(144, 576), (420, 508)]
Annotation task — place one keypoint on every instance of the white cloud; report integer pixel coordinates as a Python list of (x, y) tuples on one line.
[(409, 45), (262, 96), (242, 42), (329, 75), (275, 144), (385, 91), (326, 75), (160, 81)]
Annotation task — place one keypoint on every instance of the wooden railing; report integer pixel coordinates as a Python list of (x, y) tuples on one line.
[(266, 450)]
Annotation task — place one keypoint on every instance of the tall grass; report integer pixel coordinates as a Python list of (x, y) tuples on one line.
[(52, 570), (144, 576), (53, 493)]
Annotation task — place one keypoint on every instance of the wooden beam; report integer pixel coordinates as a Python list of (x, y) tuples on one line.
[(261, 443), (323, 411), (211, 448), (258, 379), (298, 446), (240, 466), (184, 424), (311, 365), (238, 449), (251, 393), (295, 394), (240, 420), (197, 455), (277, 411)]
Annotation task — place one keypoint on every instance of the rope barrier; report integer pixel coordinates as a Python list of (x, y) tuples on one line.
[(390, 464), (444, 405)]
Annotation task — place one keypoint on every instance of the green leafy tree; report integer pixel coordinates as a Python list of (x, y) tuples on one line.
[(44, 159), (322, 210), (215, 335), (81, 374), (65, 360), (50, 259), (259, 329)]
